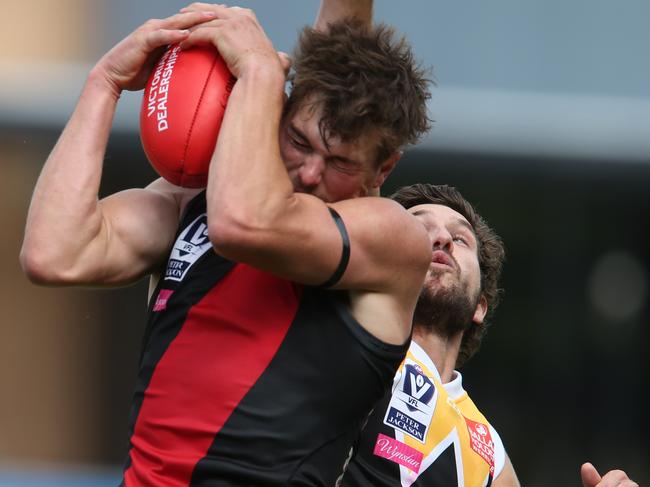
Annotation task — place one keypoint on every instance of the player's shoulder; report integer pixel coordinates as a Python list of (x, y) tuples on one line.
[(175, 195), (397, 242), (381, 206), (385, 217)]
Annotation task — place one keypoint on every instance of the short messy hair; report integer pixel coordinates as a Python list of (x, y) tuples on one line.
[(491, 252), (366, 80)]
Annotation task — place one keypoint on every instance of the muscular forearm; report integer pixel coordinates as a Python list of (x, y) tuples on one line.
[(64, 213), (248, 182), (71, 237), (333, 10)]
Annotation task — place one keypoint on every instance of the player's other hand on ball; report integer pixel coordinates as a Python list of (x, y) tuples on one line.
[(614, 478), (238, 36), (127, 65)]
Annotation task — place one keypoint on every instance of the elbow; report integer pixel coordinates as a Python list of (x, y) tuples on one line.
[(34, 266), (220, 236), (240, 232), (232, 236), (39, 268)]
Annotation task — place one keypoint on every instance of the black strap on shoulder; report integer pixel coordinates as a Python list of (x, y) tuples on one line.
[(345, 254)]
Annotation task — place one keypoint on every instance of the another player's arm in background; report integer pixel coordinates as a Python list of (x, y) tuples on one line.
[(73, 238), (334, 10), (613, 478), (507, 477)]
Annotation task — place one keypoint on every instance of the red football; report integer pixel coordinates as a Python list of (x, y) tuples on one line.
[(182, 109)]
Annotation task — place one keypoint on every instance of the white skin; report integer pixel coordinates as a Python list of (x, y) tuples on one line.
[(454, 262), (613, 478), (332, 172), (254, 216)]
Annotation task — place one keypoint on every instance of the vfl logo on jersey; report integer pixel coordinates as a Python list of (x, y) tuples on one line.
[(418, 388), (190, 245), (411, 407), (481, 442)]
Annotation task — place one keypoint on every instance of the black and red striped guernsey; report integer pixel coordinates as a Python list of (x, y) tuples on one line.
[(247, 379)]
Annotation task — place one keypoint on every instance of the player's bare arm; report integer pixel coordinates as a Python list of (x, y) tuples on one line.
[(73, 238), (507, 477), (334, 10)]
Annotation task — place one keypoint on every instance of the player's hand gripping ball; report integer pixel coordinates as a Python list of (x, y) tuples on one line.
[(182, 108)]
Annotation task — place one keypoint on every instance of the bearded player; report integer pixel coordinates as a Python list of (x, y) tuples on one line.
[(427, 431)]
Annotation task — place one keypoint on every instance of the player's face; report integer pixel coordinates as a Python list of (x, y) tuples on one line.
[(331, 169), (454, 268)]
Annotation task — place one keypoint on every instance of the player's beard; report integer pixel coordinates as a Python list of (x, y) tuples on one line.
[(447, 309)]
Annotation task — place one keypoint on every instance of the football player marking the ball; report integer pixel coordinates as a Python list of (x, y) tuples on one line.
[(252, 371)]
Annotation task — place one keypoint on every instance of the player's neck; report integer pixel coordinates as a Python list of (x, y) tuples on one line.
[(442, 350)]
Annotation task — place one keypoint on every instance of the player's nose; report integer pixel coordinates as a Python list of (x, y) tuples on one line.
[(311, 170), (441, 238)]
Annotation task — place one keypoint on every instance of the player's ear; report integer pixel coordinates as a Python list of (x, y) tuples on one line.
[(480, 311), (386, 167)]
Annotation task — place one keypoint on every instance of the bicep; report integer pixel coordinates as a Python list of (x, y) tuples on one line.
[(389, 248), (305, 244), (137, 229)]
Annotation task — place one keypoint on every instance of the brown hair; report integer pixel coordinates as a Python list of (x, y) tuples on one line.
[(366, 81), (491, 253)]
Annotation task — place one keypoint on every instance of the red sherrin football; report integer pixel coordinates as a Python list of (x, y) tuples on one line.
[(182, 109)]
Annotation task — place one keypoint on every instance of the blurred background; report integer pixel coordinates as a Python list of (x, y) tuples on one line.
[(542, 119)]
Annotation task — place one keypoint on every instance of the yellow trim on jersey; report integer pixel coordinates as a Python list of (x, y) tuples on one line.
[(447, 424)]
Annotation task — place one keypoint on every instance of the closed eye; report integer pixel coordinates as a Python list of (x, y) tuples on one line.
[(297, 139), (299, 143), (344, 165)]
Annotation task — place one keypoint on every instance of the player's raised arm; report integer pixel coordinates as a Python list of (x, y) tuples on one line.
[(336, 10), (261, 158), (73, 238)]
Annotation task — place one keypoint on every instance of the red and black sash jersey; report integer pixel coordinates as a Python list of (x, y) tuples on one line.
[(248, 379)]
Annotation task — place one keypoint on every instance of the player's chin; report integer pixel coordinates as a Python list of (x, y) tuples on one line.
[(300, 189), (318, 193), (441, 270), (340, 196), (441, 278)]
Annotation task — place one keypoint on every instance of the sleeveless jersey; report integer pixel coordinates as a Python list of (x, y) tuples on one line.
[(246, 378), (426, 434)]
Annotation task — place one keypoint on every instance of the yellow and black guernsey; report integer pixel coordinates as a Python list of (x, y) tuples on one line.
[(426, 434), (247, 379)]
